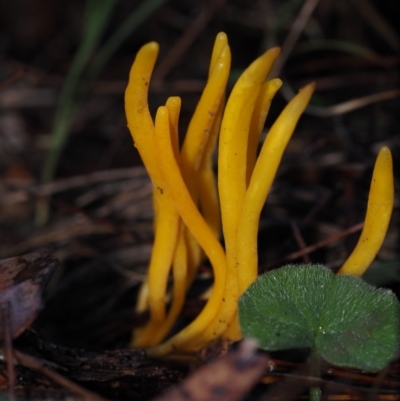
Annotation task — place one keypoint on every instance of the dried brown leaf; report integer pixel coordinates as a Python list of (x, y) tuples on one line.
[(227, 379), (22, 281)]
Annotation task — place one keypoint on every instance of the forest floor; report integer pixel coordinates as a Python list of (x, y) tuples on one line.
[(87, 226)]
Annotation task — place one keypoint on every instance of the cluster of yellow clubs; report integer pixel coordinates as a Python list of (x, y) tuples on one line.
[(193, 207)]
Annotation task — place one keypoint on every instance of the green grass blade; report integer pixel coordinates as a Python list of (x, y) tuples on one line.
[(96, 17), (144, 11)]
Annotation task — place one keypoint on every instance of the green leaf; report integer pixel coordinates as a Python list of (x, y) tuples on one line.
[(349, 322)]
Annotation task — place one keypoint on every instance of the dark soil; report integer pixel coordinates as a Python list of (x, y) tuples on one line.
[(99, 223)]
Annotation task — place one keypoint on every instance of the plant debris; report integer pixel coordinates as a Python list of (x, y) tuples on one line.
[(99, 221), (22, 283)]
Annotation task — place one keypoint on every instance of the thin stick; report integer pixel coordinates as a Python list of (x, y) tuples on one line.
[(186, 40), (13, 78), (316, 246), (8, 351), (350, 105), (296, 29), (299, 240), (376, 20), (78, 181), (34, 363)]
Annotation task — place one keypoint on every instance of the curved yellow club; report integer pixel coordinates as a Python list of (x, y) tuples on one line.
[(197, 226), (141, 127), (188, 213), (379, 211), (232, 157), (261, 182)]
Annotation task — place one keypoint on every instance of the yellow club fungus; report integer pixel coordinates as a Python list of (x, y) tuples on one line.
[(188, 207), (379, 210), (190, 203)]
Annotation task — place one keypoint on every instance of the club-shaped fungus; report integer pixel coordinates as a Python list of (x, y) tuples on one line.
[(190, 203), (379, 210)]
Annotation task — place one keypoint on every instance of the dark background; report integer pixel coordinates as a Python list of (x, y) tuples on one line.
[(100, 229)]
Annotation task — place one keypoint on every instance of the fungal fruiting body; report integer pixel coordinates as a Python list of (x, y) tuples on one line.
[(191, 205), (379, 211)]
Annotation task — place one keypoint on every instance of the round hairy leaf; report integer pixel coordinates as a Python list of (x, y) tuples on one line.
[(349, 322)]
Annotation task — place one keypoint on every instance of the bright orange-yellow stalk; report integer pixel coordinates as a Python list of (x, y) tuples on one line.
[(141, 126), (188, 208), (379, 210)]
